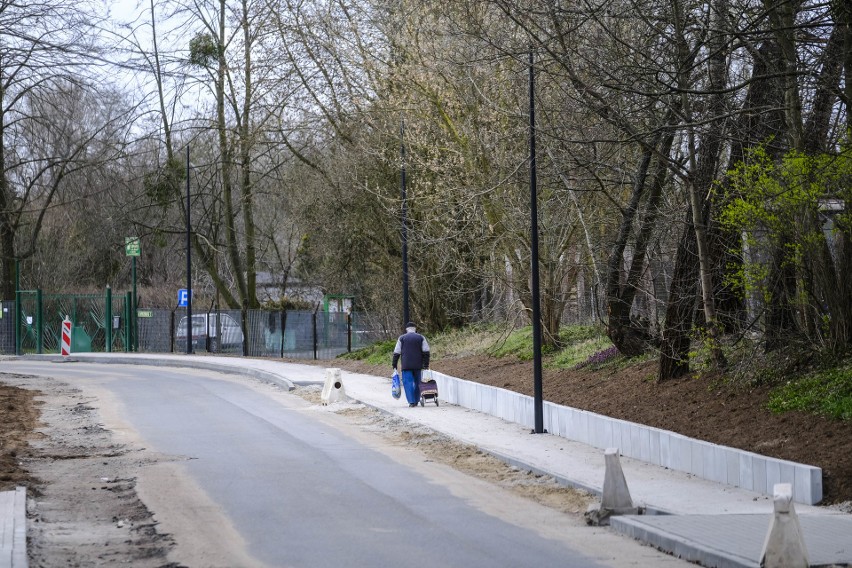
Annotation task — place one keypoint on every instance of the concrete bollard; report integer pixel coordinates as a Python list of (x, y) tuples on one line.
[(616, 498), (332, 390), (616, 495), (784, 546)]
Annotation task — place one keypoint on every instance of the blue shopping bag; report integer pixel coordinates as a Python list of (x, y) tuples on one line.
[(396, 386)]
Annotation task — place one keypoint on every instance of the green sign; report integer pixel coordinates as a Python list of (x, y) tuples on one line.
[(144, 313), (132, 246)]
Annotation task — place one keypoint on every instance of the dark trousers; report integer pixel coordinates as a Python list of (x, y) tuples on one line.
[(411, 384)]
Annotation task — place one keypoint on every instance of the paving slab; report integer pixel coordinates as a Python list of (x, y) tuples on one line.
[(13, 528), (737, 540)]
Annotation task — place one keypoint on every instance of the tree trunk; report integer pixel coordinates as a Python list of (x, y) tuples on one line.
[(232, 242), (7, 231), (704, 160), (247, 188), (782, 17), (828, 85), (633, 337), (674, 348), (618, 311), (780, 318)]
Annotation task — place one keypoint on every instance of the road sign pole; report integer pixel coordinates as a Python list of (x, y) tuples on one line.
[(133, 248), (134, 323)]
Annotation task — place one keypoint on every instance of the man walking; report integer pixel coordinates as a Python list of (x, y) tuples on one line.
[(412, 350)]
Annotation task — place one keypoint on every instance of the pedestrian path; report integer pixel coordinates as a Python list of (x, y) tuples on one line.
[(709, 523)]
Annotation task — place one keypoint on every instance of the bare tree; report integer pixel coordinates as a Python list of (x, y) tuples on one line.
[(47, 60)]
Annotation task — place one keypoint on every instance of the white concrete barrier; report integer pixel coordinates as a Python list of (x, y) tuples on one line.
[(784, 546), (713, 462), (333, 390)]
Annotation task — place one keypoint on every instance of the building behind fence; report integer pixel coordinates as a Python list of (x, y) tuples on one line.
[(101, 326)]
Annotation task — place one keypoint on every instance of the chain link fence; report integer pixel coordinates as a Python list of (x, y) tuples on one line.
[(7, 327), (281, 334), (253, 333)]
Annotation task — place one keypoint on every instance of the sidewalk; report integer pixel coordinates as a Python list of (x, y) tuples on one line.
[(708, 523)]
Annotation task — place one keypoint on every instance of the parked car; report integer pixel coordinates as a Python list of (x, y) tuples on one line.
[(210, 331)]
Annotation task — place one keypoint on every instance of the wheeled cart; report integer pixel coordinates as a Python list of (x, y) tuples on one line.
[(428, 391)]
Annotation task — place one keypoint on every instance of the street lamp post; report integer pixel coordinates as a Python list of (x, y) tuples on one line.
[(188, 264), (405, 310), (536, 297)]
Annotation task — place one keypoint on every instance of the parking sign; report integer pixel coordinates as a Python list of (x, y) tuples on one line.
[(183, 298)]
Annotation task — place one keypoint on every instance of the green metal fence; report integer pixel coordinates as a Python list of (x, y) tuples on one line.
[(104, 323), (258, 333), (99, 322)]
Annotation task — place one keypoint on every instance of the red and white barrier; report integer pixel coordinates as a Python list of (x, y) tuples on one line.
[(66, 337)]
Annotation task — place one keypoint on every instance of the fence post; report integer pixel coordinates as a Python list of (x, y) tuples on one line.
[(39, 321), (108, 319), (315, 333), (244, 314), (128, 337), (349, 333), (282, 315), (17, 322), (18, 307), (172, 332)]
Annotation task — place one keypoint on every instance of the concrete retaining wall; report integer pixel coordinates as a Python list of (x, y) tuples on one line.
[(705, 460)]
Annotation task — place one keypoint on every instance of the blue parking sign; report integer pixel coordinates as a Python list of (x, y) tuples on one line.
[(183, 297)]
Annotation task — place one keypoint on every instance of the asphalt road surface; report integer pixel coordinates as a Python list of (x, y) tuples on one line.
[(263, 478)]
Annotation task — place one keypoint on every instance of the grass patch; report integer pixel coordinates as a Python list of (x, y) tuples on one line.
[(471, 340), (517, 344), (579, 341), (580, 353), (826, 392), (375, 354)]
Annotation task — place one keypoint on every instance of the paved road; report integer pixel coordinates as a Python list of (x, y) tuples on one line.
[(287, 485)]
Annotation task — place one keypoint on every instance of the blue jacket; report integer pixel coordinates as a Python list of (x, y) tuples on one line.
[(413, 349)]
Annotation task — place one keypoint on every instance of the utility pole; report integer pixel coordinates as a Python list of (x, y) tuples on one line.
[(405, 311), (536, 295), (188, 264)]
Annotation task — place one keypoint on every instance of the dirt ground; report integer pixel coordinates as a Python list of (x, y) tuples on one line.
[(82, 508), (688, 406)]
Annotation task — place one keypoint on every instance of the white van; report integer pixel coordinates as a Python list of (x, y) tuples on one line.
[(210, 331)]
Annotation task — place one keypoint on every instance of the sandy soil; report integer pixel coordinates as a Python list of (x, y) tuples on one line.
[(84, 507)]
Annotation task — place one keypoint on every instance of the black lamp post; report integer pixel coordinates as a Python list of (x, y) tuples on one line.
[(536, 296), (188, 265), (405, 312)]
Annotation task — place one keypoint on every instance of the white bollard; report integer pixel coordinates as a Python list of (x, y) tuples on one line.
[(615, 499), (332, 390), (616, 495), (784, 546)]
